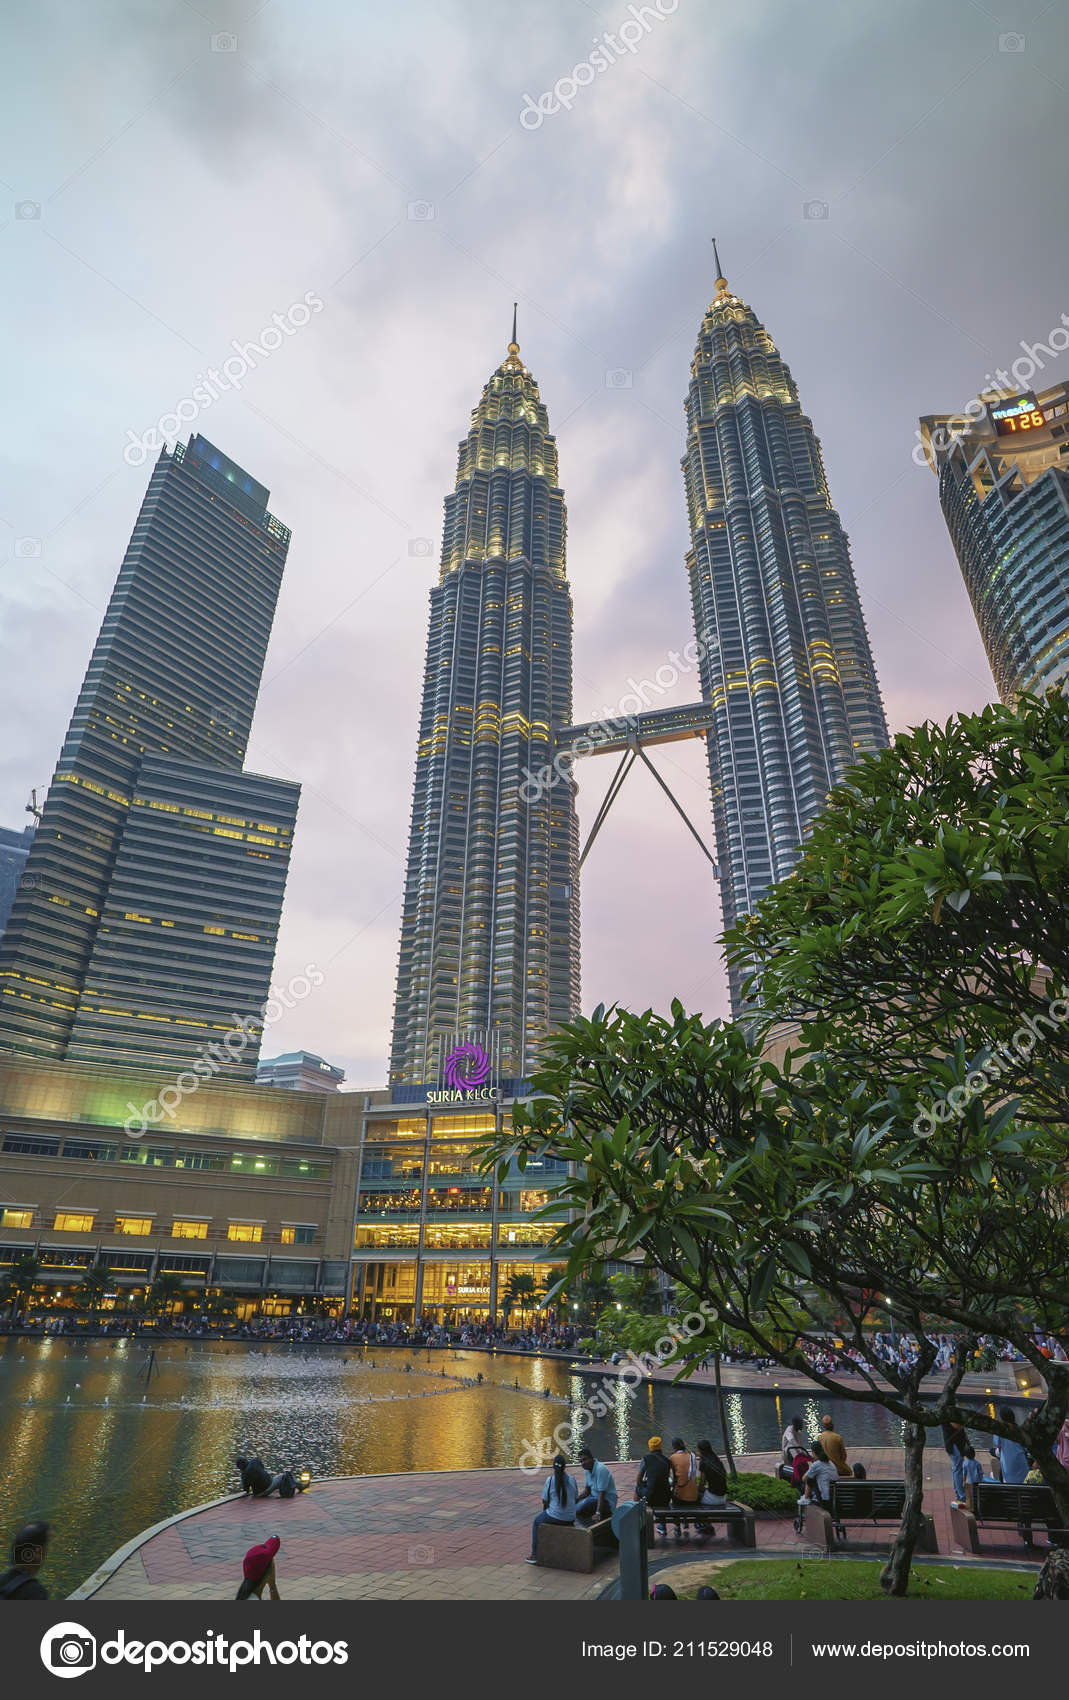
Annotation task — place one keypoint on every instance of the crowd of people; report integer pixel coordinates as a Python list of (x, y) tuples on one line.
[(902, 1351), (813, 1465), (546, 1336), (679, 1480)]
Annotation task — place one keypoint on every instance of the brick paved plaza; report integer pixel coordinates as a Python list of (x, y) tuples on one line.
[(453, 1535)]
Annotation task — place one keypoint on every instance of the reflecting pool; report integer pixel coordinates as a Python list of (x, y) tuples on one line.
[(103, 1443)]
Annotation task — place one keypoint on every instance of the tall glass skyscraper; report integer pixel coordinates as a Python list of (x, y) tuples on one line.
[(150, 907), (14, 849), (490, 926), (1004, 488), (786, 662)]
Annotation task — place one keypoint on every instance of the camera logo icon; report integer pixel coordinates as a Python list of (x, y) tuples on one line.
[(27, 548), (421, 210), (618, 378), (1012, 43), (68, 1649), (420, 546), (223, 42), (27, 209), (421, 1555), (815, 209)]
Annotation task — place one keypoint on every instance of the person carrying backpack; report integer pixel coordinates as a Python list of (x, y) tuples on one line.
[(687, 1473)]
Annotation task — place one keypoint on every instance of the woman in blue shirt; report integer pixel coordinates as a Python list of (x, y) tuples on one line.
[(559, 1498)]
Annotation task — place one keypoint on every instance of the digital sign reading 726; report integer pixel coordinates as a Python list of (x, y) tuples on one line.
[(1017, 413)]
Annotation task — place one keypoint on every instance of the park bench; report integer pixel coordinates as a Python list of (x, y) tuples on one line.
[(1004, 1505), (867, 1501), (739, 1519), (574, 1546)]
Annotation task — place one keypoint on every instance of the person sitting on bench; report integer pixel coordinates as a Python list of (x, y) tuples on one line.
[(714, 1478), (687, 1471), (816, 1485), (559, 1499), (599, 1490), (654, 1483)]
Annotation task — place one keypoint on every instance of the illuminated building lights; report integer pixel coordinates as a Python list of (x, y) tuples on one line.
[(752, 455)]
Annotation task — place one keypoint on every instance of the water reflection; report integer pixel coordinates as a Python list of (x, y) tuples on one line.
[(102, 1452)]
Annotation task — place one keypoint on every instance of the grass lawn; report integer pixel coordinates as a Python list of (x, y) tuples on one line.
[(847, 1579)]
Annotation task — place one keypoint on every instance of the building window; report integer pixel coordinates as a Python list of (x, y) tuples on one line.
[(190, 1230), (31, 1145), (133, 1224), (247, 1232), (300, 1169), (74, 1221), (299, 1234), (90, 1150), (249, 1162), (10, 1218)]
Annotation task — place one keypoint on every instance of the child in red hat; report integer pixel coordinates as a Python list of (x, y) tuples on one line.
[(259, 1571)]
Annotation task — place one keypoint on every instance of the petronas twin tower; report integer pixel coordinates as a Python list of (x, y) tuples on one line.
[(490, 927), (490, 930)]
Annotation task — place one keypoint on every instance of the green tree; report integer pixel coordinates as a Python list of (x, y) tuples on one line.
[(164, 1294), (19, 1282), (521, 1292), (925, 929), (765, 1194), (218, 1304), (93, 1285)]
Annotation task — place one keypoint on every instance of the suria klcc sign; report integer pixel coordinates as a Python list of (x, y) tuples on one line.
[(467, 1074)]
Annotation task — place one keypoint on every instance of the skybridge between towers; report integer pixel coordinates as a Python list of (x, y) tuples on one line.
[(629, 736)]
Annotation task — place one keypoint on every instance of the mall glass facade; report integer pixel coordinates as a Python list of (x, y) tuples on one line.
[(434, 1237)]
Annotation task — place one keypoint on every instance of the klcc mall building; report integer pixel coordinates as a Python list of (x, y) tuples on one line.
[(282, 1201)]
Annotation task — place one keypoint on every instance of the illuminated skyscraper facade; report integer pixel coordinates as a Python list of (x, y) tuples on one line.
[(490, 925), (1004, 487), (786, 663), (150, 905)]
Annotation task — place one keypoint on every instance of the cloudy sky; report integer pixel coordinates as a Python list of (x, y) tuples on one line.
[(887, 187)]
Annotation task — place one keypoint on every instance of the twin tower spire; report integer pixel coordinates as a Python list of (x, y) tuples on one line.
[(490, 930)]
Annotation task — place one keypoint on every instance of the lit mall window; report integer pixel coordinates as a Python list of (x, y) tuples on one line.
[(248, 1232), (133, 1224), (190, 1231), (10, 1218), (74, 1221), (299, 1234)]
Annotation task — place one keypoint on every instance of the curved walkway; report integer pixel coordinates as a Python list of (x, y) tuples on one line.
[(454, 1535)]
